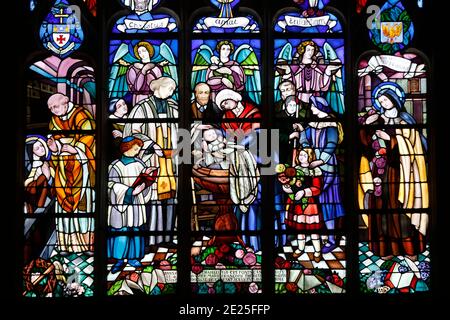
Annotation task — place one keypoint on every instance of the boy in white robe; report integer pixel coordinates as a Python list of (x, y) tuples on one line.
[(129, 189)]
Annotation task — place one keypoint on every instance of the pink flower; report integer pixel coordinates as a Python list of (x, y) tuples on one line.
[(165, 265), (380, 162), (376, 145), (239, 253), (250, 259), (134, 277), (307, 271), (211, 259), (253, 288), (211, 291)]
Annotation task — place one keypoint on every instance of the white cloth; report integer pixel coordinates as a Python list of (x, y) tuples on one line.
[(121, 178)]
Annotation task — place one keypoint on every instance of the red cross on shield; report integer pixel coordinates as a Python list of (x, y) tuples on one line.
[(61, 35), (61, 39)]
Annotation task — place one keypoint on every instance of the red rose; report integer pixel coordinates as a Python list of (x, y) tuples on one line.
[(161, 286), (219, 254), (382, 151), (337, 281), (286, 265), (224, 248), (291, 287), (279, 262), (197, 268)]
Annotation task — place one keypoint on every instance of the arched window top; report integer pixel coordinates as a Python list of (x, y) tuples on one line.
[(309, 17), (227, 20), (145, 17)]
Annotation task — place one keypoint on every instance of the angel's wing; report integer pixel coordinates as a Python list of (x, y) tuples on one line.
[(169, 68), (246, 57), (202, 61), (335, 95), (285, 57), (118, 86)]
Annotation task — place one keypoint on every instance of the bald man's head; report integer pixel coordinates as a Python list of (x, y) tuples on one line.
[(58, 104), (202, 93)]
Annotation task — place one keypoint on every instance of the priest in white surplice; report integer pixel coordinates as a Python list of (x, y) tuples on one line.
[(164, 136)]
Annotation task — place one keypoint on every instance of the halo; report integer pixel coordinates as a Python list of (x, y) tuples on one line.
[(387, 86), (42, 140)]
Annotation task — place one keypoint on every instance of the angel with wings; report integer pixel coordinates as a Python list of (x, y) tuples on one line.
[(314, 73), (238, 72), (133, 74)]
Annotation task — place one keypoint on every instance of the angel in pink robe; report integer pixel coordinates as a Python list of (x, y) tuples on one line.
[(141, 73), (310, 76)]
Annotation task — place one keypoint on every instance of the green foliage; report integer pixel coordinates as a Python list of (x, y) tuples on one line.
[(229, 288), (219, 286), (207, 252), (280, 288), (114, 288), (362, 284), (323, 288), (169, 288), (148, 269), (387, 265)]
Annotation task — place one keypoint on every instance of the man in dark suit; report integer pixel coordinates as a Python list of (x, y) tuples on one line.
[(202, 107)]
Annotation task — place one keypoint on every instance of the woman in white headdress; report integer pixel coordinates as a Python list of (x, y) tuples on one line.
[(40, 175)]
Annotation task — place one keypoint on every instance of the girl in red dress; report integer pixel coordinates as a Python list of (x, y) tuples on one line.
[(303, 186)]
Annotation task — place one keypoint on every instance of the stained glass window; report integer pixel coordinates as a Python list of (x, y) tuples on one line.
[(226, 190), (60, 163), (393, 193), (142, 174), (273, 151), (309, 89)]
